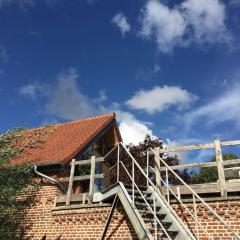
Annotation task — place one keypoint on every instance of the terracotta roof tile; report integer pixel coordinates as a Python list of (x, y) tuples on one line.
[(61, 142)]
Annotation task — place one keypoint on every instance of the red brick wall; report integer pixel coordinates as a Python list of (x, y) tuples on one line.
[(87, 223), (79, 224), (229, 210)]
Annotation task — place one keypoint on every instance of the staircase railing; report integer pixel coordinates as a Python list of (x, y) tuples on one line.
[(194, 216), (195, 197), (136, 165), (152, 209)]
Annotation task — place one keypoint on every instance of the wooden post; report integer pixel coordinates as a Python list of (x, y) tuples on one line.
[(220, 168), (92, 176), (157, 168), (70, 184)]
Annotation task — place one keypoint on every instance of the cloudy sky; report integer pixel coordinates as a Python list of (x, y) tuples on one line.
[(167, 68)]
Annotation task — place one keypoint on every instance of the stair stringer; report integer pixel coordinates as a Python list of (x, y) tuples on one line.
[(135, 218), (184, 231)]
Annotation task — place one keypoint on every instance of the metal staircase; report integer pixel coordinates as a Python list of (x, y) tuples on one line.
[(150, 212)]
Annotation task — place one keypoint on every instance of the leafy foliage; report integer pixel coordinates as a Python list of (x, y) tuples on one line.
[(139, 153), (210, 174), (13, 181)]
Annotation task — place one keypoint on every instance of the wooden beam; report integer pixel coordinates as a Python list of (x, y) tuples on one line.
[(203, 165), (221, 174), (70, 184), (81, 178), (88, 161), (198, 146), (187, 148), (191, 165), (91, 184), (230, 143), (76, 197), (232, 186)]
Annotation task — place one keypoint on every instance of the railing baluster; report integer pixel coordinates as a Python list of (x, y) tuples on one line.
[(118, 156), (133, 182), (91, 183), (168, 195), (220, 168), (155, 215), (157, 169), (147, 168), (70, 184)]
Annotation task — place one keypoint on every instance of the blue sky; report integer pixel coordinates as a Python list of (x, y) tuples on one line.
[(167, 68)]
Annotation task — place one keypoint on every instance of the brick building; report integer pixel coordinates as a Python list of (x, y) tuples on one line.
[(73, 201)]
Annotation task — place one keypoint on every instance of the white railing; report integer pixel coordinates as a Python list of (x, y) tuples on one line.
[(153, 210), (194, 197)]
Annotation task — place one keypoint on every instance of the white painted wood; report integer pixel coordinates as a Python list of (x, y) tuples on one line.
[(85, 177), (88, 161), (70, 184), (157, 168), (220, 168), (198, 146), (91, 184)]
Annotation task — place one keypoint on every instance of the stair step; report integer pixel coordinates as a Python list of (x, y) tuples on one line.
[(159, 215), (164, 222), (144, 205), (140, 199), (136, 193), (142, 188), (170, 233)]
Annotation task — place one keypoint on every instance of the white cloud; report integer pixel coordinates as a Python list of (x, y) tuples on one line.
[(121, 21), (161, 98), (185, 23), (207, 18), (132, 129), (69, 102), (33, 90), (165, 25), (221, 109)]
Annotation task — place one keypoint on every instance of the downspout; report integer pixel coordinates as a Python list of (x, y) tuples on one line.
[(58, 183)]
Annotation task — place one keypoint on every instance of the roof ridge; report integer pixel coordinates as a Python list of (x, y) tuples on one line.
[(69, 122), (89, 118)]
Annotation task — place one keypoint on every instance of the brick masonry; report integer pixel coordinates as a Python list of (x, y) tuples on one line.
[(40, 222), (229, 210)]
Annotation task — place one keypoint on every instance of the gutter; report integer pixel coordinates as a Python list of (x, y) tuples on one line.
[(58, 183)]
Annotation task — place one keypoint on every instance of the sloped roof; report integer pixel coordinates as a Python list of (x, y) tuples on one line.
[(59, 143)]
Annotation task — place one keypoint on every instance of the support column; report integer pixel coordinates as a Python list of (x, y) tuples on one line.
[(220, 168)]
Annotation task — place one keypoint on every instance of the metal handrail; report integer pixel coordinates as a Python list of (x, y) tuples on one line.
[(152, 211), (196, 195), (194, 217), (135, 185), (146, 176), (111, 150)]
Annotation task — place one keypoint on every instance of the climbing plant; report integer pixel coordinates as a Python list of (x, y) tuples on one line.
[(13, 180), (16, 178)]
